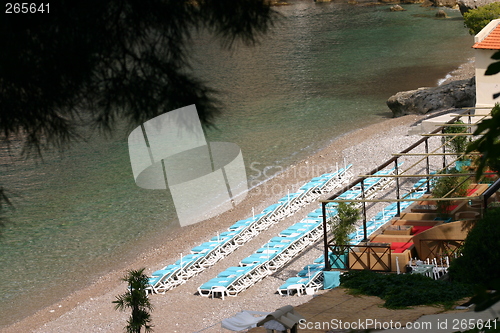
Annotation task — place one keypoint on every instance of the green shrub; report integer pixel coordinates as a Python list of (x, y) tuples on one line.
[(494, 163), (479, 263), (404, 290), (449, 187), (457, 144), (477, 19)]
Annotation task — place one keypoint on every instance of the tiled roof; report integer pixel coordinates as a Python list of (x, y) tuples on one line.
[(490, 42)]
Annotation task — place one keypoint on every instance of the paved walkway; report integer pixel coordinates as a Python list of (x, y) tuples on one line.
[(337, 311)]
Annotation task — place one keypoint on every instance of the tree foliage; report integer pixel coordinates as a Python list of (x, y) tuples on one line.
[(488, 144), (101, 60), (457, 144), (136, 299), (5, 203), (449, 187), (347, 215), (477, 19)]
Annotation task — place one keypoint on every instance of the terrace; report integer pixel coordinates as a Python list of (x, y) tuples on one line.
[(416, 226)]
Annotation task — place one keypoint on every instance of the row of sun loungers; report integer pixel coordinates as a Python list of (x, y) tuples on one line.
[(276, 253), (266, 260), (300, 284), (207, 254)]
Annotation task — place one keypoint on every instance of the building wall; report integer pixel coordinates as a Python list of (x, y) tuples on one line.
[(486, 86)]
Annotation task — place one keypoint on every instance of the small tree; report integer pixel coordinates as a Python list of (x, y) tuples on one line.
[(347, 215), (457, 144), (136, 299)]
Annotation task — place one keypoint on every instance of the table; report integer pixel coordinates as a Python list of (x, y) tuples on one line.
[(398, 230), (423, 269)]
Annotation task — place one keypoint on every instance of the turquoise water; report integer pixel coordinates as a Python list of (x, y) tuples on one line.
[(327, 69)]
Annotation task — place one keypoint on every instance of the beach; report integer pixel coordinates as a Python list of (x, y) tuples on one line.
[(90, 309)]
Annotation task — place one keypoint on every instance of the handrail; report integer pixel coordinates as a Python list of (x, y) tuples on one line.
[(391, 160), (424, 139)]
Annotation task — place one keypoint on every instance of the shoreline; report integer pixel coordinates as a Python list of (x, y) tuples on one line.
[(89, 308)]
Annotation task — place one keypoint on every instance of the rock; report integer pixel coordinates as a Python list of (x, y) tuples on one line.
[(445, 3), (456, 94), (397, 8), (427, 3), (441, 13), (441, 3)]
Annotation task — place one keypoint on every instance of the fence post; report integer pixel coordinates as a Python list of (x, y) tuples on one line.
[(397, 187), (427, 167), (365, 234), (325, 237), (443, 140)]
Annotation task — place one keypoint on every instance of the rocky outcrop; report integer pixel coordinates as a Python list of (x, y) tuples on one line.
[(456, 94), (466, 5)]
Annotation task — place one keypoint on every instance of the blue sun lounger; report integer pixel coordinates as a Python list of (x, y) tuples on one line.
[(156, 282), (207, 288), (257, 258)]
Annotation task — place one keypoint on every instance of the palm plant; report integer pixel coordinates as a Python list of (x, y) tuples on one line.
[(136, 299)]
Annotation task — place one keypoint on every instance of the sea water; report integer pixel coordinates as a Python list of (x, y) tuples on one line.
[(326, 69)]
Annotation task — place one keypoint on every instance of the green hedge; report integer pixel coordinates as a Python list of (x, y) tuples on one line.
[(404, 290)]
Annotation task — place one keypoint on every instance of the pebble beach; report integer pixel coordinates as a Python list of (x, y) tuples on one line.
[(90, 309)]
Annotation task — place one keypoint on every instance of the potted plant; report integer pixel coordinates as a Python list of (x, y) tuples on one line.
[(453, 186), (342, 226)]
